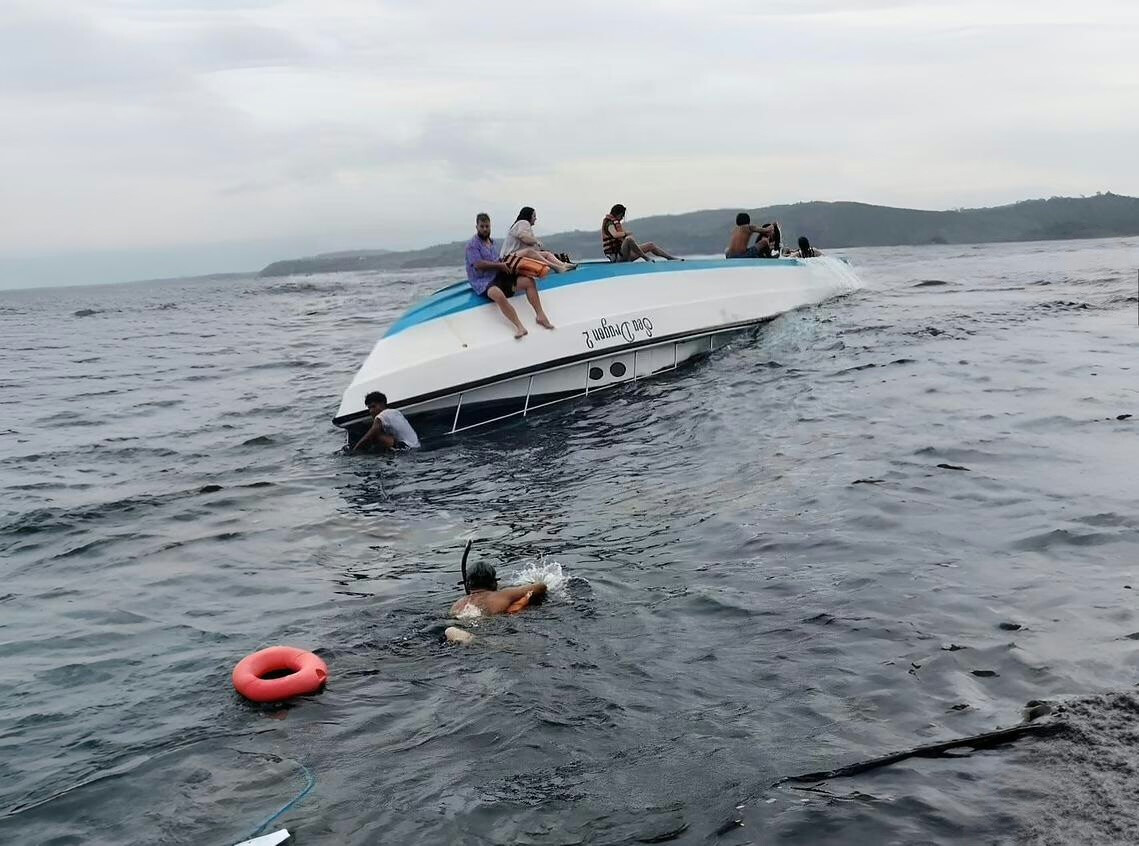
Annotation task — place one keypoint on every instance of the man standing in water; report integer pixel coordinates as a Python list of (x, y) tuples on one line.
[(491, 278), (390, 429)]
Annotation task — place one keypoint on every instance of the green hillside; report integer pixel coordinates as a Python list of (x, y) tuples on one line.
[(828, 225)]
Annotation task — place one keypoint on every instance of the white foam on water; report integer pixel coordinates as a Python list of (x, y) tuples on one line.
[(543, 570), (469, 610)]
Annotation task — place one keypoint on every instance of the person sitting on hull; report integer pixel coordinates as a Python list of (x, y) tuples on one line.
[(390, 429), (490, 277), (765, 246), (521, 241), (805, 249), (618, 244)]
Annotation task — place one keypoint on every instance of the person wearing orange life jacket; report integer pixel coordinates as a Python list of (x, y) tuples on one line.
[(618, 244)]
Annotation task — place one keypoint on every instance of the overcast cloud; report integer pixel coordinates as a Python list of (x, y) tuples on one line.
[(145, 138)]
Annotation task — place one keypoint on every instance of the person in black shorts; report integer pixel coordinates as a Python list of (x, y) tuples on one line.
[(492, 278), (505, 281)]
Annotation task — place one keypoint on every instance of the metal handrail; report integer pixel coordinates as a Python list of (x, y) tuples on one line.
[(587, 389)]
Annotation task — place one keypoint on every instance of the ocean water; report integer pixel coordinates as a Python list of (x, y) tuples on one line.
[(887, 520)]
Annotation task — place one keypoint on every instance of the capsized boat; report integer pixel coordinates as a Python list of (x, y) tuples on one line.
[(451, 362)]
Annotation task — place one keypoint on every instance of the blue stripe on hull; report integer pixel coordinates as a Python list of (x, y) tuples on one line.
[(459, 297)]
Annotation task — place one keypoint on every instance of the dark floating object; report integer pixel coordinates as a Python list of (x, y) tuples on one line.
[(1122, 416), (671, 834), (210, 489), (856, 795), (986, 674), (952, 647), (954, 467), (985, 740), (1010, 627), (868, 481)]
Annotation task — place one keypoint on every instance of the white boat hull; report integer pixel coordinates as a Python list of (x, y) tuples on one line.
[(453, 363)]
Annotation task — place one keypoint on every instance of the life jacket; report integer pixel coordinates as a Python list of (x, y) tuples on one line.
[(520, 266), (609, 244)]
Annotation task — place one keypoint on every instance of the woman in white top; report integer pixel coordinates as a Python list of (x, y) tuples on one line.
[(521, 241)]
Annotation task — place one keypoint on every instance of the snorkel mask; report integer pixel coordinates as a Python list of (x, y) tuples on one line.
[(480, 577)]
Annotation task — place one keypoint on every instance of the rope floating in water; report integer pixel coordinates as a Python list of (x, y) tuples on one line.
[(984, 740), (311, 783)]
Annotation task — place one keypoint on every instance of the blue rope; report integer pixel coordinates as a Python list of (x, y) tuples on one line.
[(308, 788)]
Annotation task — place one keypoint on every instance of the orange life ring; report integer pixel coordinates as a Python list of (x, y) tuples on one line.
[(306, 674)]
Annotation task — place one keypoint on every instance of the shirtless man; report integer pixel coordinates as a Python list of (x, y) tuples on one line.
[(483, 593), (738, 243), (484, 598)]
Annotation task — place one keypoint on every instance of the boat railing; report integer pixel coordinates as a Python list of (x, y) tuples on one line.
[(714, 339)]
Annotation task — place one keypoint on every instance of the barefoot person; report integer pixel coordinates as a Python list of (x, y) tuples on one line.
[(390, 429), (521, 241), (490, 277), (618, 245), (738, 246)]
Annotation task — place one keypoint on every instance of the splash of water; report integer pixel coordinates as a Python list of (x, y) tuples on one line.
[(543, 570)]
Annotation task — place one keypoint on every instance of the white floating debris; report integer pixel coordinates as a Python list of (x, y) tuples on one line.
[(456, 635), (267, 839)]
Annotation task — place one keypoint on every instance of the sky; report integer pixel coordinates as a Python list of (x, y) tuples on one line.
[(148, 138)]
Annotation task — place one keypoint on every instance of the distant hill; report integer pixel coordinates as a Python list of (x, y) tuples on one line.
[(840, 224)]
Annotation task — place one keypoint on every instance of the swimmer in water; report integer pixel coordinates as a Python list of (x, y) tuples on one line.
[(484, 597)]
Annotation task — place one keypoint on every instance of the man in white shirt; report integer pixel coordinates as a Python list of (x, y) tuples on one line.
[(390, 429)]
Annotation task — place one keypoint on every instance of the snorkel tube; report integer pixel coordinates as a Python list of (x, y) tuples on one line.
[(466, 552)]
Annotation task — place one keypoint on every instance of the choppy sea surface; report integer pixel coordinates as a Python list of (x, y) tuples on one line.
[(764, 565)]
